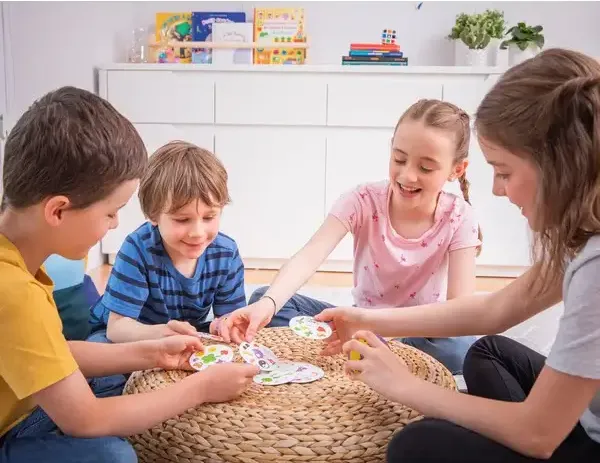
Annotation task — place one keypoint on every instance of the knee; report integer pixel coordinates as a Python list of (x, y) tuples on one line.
[(483, 347), (413, 443), (257, 294), (114, 449)]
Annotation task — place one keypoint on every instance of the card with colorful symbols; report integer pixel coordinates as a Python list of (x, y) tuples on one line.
[(308, 327), (212, 355), (259, 355)]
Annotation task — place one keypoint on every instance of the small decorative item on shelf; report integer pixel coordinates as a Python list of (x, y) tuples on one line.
[(385, 53), (138, 47), (525, 42), (471, 38)]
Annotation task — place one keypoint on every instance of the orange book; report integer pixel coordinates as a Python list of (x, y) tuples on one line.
[(279, 25)]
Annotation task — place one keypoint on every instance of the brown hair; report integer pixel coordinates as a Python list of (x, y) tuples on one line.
[(547, 110), (70, 142), (179, 173), (446, 116)]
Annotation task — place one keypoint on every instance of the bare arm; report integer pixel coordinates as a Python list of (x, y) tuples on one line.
[(71, 404), (306, 261), (461, 273), (469, 315), (535, 427), (125, 329)]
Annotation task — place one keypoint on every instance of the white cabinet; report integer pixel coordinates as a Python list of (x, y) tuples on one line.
[(294, 138), (354, 158), (277, 186)]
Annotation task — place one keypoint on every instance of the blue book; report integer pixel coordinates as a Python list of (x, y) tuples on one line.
[(395, 54), (202, 22)]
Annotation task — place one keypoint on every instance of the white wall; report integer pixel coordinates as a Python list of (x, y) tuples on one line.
[(50, 44)]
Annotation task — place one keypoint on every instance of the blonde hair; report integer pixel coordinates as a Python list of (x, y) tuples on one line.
[(547, 110), (449, 117), (179, 173)]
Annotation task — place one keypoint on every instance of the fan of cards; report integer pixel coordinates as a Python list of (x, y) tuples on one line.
[(273, 370)]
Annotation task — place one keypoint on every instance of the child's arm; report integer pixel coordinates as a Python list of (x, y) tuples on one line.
[(125, 329), (244, 323), (100, 359), (461, 272), (71, 404)]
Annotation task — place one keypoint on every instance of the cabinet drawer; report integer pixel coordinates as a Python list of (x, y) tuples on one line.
[(271, 100), (375, 102), (163, 96)]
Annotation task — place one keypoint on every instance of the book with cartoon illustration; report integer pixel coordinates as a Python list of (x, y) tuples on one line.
[(202, 26), (279, 25), (173, 26)]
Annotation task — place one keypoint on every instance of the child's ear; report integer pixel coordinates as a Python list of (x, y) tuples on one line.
[(54, 209), (459, 169)]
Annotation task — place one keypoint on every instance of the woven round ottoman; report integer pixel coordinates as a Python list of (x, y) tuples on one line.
[(333, 419)]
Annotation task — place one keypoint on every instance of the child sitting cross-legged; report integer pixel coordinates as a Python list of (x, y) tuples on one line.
[(174, 268)]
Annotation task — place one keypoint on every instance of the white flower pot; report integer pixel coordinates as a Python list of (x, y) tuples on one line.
[(477, 58), (496, 56), (461, 51), (516, 55)]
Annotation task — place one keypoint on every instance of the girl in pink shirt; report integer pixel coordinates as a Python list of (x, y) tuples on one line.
[(413, 243)]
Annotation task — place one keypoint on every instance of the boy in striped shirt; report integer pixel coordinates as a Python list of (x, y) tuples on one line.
[(174, 268)]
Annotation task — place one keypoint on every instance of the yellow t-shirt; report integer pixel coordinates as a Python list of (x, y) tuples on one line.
[(33, 351)]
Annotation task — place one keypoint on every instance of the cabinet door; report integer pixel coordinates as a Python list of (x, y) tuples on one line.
[(354, 158), (277, 186), (506, 234), (163, 96), (154, 136)]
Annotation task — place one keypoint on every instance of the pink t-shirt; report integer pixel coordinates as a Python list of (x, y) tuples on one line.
[(392, 271)]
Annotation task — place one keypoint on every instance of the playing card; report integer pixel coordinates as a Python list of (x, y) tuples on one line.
[(257, 354), (308, 327), (282, 374), (307, 373), (355, 355), (210, 337), (216, 353)]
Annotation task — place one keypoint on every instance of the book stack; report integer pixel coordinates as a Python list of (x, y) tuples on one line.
[(385, 53)]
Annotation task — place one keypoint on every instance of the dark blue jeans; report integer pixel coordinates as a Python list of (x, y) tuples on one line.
[(38, 439), (448, 351)]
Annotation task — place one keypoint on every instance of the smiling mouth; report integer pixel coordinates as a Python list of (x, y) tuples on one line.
[(409, 190)]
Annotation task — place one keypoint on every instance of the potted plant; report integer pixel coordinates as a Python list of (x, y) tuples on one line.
[(460, 49), (525, 42), (475, 36), (495, 27)]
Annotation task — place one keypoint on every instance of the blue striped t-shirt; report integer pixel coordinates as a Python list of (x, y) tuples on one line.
[(145, 285)]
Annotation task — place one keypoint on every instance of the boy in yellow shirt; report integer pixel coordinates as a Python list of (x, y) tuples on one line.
[(71, 162)]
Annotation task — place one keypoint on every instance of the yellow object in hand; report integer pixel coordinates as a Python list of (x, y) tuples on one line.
[(355, 355)]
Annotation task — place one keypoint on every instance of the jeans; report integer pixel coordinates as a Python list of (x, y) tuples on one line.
[(37, 438), (496, 368), (297, 305), (448, 351)]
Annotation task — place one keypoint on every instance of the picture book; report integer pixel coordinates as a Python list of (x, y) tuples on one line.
[(232, 32), (173, 26), (202, 28), (279, 25)]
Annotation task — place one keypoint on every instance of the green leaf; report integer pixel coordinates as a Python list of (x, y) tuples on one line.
[(537, 29), (539, 41), (522, 45)]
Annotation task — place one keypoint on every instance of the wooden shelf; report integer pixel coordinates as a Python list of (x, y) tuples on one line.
[(229, 45)]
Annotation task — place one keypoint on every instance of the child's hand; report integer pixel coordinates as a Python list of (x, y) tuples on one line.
[(344, 321), (174, 327), (243, 324), (226, 381), (173, 352), (379, 367)]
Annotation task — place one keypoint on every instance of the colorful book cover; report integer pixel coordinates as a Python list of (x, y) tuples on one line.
[(279, 25), (395, 54), (174, 26), (372, 59), (374, 46), (202, 23), (232, 32)]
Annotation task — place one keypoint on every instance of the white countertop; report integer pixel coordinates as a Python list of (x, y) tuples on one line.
[(306, 68)]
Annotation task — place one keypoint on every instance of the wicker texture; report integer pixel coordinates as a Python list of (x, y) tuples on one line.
[(330, 420)]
